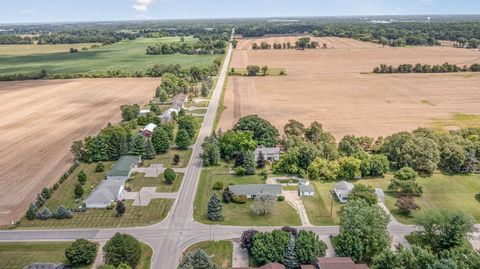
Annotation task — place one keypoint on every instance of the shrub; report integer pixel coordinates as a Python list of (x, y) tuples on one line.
[(176, 159), (82, 177), (217, 186), (78, 191), (31, 212), (405, 173), (63, 213), (55, 186), (227, 195), (169, 175), (100, 167), (122, 248), (120, 208), (44, 214), (81, 252), (239, 199), (46, 193), (280, 198)]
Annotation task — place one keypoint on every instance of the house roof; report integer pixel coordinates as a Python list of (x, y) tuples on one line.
[(105, 193), (339, 263), (273, 266), (45, 266), (307, 266), (255, 189), (178, 101), (343, 185), (123, 165), (144, 111), (306, 188), (149, 127), (265, 150), (168, 112)]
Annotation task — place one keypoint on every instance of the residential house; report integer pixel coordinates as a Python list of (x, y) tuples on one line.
[(147, 131), (273, 265), (306, 190), (270, 154), (178, 101), (105, 193), (342, 189), (144, 112), (168, 115), (253, 190), (45, 266), (338, 263), (121, 170)]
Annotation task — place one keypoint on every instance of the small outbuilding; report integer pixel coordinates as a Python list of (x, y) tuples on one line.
[(147, 131), (270, 154), (253, 190), (105, 193), (342, 189), (306, 190), (144, 112), (121, 170)]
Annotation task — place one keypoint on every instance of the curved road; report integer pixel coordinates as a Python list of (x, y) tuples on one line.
[(172, 236)]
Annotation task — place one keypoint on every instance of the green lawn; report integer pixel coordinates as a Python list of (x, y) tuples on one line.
[(139, 181), (31, 49), (18, 255), (322, 208), (155, 212), (146, 258), (127, 56), (199, 111), (238, 214), (167, 158), (219, 251)]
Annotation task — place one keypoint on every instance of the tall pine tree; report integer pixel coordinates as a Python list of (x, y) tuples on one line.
[(100, 149), (149, 153), (138, 146), (215, 209), (161, 141), (290, 260)]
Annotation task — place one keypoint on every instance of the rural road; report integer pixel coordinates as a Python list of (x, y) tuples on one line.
[(179, 230)]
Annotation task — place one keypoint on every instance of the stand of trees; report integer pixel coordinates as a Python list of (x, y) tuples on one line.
[(207, 44), (425, 68), (15, 40), (302, 43)]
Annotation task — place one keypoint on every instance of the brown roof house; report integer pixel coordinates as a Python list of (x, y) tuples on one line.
[(339, 263), (273, 265)]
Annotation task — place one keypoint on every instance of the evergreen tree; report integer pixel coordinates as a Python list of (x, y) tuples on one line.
[(162, 95), (261, 160), (120, 208), (63, 213), (290, 260), (82, 177), (149, 153), (78, 191), (100, 149), (183, 139), (204, 90), (100, 167), (160, 140), (138, 147), (198, 259), (215, 209), (31, 212)]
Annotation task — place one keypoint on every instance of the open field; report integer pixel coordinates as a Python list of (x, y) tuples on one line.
[(220, 251), (332, 42), (40, 120), (23, 50), (335, 87), (127, 56)]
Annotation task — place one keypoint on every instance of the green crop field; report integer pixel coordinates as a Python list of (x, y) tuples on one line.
[(126, 56)]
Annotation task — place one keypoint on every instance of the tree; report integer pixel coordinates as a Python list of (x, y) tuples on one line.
[(253, 70), (291, 230), (244, 163), (100, 152), (246, 241), (82, 177), (81, 252), (406, 205), (162, 95), (149, 153), (122, 248), (187, 122), (261, 160), (120, 208), (63, 213), (363, 192), (265, 70), (320, 168), (204, 90), (176, 159), (211, 152), (269, 247), (444, 264), (169, 175), (31, 212), (349, 168), (161, 140), (309, 247), (198, 259), (295, 128), (444, 230), (232, 142), (138, 148), (215, 209), (349, 146), (264, 133), (264, 204), (378, 165), (99, 167), (77, 150), (405, 187), (290, 259), (44, 214), (363, 231), (405, 173), (452, 158), (46, 193), (78, 191), (183, 139), (130, 112)]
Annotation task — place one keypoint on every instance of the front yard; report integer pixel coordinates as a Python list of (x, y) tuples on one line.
[(238, 214), (139, 181), (220, 251)]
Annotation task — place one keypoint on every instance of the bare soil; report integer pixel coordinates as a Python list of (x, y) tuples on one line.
[(336, 87), (39, 122)]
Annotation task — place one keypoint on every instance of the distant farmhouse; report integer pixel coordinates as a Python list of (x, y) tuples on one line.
[(270, 154), (253, 190), (112, 188), (147, 131), (177, 105)]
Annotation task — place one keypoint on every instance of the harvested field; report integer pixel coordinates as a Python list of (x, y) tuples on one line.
[(332, 42), (41, 119), (336, 88)]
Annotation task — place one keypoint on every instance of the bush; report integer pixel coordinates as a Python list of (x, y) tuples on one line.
[(78, 191), (120, 208), (122, 248), (100, 167), (217, 186), (31, 212), (405, 173), (82, 177), (169, 175), (44, 214), (63, 213), (176, 159), (239, 199), (81, 252), (227, 195), (280, 198)]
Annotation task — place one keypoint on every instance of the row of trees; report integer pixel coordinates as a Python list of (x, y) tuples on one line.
[(471, 43), (425, 68), (302, 43), (212, 44), (84, 36), (15, 40)]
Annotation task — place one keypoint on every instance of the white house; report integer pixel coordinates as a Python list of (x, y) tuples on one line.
[(167, 116), (342, 189), (121, 170), (305, 190), (104, 194), (252, 190), (144, 112), (147, 131), (270, 154)]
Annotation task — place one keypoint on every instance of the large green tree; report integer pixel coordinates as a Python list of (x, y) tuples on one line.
[(309, 247), (183, 139), (264, 133), (232, 142), (215, 209), (197, 260), (81, 252), (160, 140), (122, 248)]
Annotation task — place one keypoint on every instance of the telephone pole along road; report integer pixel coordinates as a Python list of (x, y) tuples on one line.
[(179, 230)]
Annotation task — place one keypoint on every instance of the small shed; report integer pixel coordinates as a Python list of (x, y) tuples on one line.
[(121, 170), (252, 190), (306, 190), (144, 112), (147, 131), (342, 189)]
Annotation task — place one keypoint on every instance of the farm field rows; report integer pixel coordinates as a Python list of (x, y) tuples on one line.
[(127, 56), (336, 88), (41, 119)]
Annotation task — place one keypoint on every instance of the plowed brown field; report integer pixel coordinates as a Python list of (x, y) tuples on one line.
[(335, 88), (39, 120)]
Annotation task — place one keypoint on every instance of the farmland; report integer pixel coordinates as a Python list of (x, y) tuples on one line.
[(40, 120), (128, 56), (335, 87)]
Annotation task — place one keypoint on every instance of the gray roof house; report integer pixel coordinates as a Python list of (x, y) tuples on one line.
[(105, 193), (252, 190), (45, 266), (121, 170), (342, 189), (270, 154), (305, 190), (178, 101)]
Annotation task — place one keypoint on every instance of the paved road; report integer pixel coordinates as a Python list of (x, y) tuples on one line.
[(179, 230)]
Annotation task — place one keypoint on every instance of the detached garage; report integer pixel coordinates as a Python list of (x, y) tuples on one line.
[(306, 190)]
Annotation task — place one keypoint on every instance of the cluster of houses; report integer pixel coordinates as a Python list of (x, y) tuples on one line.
[(320, 263)]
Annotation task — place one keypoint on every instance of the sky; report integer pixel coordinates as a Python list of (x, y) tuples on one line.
[(27, 11)]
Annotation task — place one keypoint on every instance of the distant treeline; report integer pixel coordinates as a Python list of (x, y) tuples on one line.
[(84, 36), (206, 44), (14, 40), (425, 68), (302, 43)]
